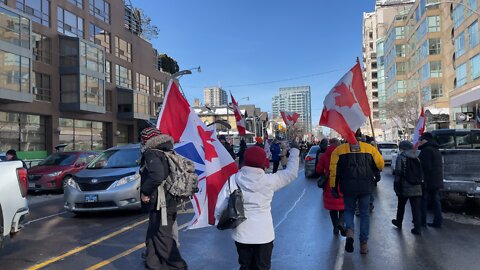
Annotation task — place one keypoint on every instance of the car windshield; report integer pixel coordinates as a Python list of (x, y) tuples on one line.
[(314, 149), (387, 146), (59, 159), (118, 158)]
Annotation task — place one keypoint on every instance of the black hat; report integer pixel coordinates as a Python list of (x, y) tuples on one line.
[(427, 136), (405, 145), (11, 152), (222, 138)]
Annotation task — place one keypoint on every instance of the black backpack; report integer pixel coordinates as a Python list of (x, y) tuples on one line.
[(413, 171)]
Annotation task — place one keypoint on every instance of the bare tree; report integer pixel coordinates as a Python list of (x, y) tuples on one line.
[(403, 110)]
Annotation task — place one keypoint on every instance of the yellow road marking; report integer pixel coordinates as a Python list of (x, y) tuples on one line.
[(78, 249), (114, 258)]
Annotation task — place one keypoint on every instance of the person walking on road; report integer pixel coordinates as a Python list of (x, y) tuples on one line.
[(275, 150), (334, 205), (432, 165), (408, 185), (352, 169), (259, 142), (284, 154), (254, 237), (241, 151), (162, 251)]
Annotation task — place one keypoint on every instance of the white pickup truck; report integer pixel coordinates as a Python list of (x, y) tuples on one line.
[(13, 201)]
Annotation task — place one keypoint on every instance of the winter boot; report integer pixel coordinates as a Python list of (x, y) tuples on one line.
[(342, 230), (363, 248), (397, 223), (349, 242)]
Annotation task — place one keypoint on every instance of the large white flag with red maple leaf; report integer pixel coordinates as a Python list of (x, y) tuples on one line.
[(346, 105), (290, 118), (419, 129), (238, 117)]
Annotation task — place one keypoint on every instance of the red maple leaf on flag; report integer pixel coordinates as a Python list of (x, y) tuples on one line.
[(345, 97), (206, 137)]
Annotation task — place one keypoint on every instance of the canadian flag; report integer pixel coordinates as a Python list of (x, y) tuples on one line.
[(290, 118), (346, 105), (419, 129), (266, 146), (238, 117), (195, 141)]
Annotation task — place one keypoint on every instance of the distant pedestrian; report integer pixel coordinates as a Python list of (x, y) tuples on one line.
[(352, 169), (162, 251), (335, 205), (259, 142), (227, 146), (11, 155), (408, 185), (275, 150), (432, 164), (241, 151), (284, 154), (323, 145), (254, 237)]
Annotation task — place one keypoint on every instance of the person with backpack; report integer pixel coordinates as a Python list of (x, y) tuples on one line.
[(162, 251), (275, 150), (254, 237), (408, 185), (432, 165)]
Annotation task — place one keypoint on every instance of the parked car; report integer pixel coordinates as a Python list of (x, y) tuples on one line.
[(3, 157), (110, 182), (387, 149), (53, 172), (310, 161), (13, 201)]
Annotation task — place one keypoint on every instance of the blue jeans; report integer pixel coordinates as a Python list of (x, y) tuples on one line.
[(349, 215), (434, 197)]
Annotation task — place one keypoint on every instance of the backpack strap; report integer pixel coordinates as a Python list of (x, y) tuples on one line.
[(162, 203)]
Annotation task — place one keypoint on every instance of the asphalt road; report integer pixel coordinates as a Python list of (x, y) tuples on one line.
[(55, 239)]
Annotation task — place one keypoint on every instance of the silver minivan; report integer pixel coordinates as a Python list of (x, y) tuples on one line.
[(111, 181)]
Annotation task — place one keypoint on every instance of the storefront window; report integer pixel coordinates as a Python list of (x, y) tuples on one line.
[(23, 132), (14, 29), (82, 134), (39, 10), (122, 138)]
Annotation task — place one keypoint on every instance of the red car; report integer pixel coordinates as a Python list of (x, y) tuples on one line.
[(53, 172)]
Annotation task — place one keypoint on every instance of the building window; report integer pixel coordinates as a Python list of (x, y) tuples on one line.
[(14, 29), (423, 29), (436, 91), (91, 57), (400, 68), (14, 72), (41, 48), (472, 5), (460, 45), (140, 103), (78, 3), (39, 10), (434, 46), (123, 49), (24, 132), (69, 89), (91, 90), (69, 24), (133, 22), (100, 9), (436, 69), (100, 37), (433, 24), (82, 134), (108, 71), (461, 75), (473, 35), (143, 83), (401, 86), (424, 50), (400, 50), (458, 15), (123, 77), (108, 100), (399, 32), (158, 88), (42, 88), (475, 67)]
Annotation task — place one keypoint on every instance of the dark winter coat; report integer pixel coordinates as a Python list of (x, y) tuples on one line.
[(323, 168), (275, 150), (432, 165), (229, 149), (155, 170), (401, 185)]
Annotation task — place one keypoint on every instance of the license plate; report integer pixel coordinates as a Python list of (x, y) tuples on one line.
[(31, 185), (91, 198)]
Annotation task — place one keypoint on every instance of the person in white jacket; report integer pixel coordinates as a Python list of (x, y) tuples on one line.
[(254, 237)]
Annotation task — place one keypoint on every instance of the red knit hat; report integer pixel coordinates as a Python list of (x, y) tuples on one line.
[(149, 133), (255, 156)]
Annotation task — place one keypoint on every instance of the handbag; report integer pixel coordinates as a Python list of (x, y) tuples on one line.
[(321, 181), (234, 214)]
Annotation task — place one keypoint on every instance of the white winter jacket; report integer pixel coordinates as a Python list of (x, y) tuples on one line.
[(257, 188)]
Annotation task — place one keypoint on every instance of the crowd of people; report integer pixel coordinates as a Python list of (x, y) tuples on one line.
[(348, 174)]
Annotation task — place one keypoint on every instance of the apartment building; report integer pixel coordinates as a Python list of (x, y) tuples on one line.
[(294, 99), (215, 96), (74, 72)]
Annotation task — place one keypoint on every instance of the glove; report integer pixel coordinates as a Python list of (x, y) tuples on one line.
[(294, 144), (335, 192)]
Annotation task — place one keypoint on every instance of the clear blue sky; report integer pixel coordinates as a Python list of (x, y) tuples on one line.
[(254, 41)]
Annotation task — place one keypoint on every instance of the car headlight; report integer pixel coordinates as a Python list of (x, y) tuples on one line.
[(55, 174), (72, 183), (127, 179)]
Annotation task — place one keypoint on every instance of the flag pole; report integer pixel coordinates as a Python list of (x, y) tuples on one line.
[(370, 118)]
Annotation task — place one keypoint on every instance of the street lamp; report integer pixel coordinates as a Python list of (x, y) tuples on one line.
[(180, 73)]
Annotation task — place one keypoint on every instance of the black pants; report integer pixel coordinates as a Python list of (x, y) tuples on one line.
[(337, 218), (434, 197), (275, 165), (162, 250), (254, 256), (415, 204)]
